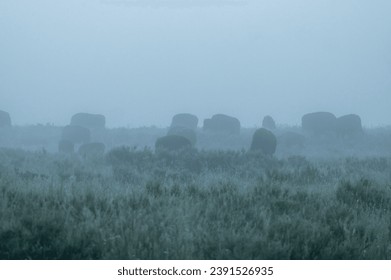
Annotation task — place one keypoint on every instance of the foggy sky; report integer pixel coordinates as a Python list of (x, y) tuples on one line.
[(139, 63)]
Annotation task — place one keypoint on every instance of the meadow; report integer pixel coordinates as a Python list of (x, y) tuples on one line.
[(135, 203)]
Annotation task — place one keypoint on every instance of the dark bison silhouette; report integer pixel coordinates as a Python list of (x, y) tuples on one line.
[(76, 134), (66, 147), (185, 120), (319, 122), (264, 141), (268, 123), (91, 121), (92, 149), (222, 124), (172, 143), (5, 119), (188, 133), (349, 125)]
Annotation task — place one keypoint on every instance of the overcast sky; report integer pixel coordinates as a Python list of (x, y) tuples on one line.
[(140, 62)]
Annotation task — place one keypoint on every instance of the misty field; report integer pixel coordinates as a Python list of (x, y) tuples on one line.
[(134, 203)]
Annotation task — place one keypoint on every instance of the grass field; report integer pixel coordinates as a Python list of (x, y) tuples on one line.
[(136, 204)]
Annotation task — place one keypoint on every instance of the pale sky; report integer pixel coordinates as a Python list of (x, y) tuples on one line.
[(140, 62)]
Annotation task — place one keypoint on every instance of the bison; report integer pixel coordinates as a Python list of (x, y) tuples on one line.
[(264, 141), (188, 133), (349, 125), (185, 120), (268, 123), (319, 123), (90, 121), (221, 123), (5, 119)]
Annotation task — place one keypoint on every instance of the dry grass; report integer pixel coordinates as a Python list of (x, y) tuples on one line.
[(135, 204)]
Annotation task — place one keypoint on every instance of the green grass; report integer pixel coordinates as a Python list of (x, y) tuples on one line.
[(134, 204)]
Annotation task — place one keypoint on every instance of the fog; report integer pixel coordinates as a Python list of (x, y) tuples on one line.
[(141, 62)]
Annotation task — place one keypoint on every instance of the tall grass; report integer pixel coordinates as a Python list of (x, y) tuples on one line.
[(135, 204)]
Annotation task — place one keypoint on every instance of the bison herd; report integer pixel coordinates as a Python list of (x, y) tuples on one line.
[(264, 140), (325, 122), (79, 135)]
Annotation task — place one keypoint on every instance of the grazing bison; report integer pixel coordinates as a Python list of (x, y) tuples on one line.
[(185, 120), (5, 119), (172, 143), (268, 123), (319, 122), (76, 134), (222, 124), (66, 147), (264, 141), (91, 121), (349, 125), (92, 149), (188, 133)]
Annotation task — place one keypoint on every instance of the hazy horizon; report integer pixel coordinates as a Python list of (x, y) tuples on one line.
[(140, 62)]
